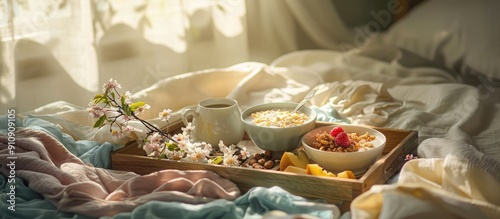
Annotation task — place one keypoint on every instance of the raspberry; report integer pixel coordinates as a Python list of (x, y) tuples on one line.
[(342, 140), (336, 130)]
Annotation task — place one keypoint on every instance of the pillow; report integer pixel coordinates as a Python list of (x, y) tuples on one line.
[(462, 35)]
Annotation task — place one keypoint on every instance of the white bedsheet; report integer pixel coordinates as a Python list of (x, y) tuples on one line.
[(354, 88), (361, 90)]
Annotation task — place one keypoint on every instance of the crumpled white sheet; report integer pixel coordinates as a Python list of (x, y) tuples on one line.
[(360, 102), (357, 89), (460, 183)]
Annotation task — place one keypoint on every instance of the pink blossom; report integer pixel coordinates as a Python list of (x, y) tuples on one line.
[(111, 84), (152, 149), (148, 148), (129, 129), (141, 109), (410, 157), (155, 138), (128, 118), (178, 137), (95, 110)]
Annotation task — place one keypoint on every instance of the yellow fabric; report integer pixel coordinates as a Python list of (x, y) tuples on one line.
[(463, 184)]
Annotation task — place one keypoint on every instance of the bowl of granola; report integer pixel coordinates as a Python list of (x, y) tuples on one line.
[(275, 127), (337, 148)]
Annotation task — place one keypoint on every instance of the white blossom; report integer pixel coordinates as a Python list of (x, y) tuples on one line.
[(165, 114)]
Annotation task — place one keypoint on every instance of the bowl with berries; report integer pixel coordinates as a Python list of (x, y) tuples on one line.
[(337, 148)]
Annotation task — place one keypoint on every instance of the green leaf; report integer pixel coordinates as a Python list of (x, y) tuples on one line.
[(100, 121), (98, 98), (105, 94), (171, 146), (126, 109), (217, 160), (122, 100), (136, 105)]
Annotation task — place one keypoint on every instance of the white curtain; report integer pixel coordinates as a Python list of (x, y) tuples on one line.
[(64, 50)]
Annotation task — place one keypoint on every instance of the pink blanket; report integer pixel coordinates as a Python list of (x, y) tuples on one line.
[(73, 186)]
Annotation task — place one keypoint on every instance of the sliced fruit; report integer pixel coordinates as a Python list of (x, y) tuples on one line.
[(336, 130), (346, 174), (289, 158), (294, 169), (285, 161), (316, 170), (342, 140), (303, 159)]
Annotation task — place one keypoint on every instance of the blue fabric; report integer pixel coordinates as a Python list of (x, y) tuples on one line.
[(29, 204), (252, 205), (259, 201), (155, 209), (89, 151)]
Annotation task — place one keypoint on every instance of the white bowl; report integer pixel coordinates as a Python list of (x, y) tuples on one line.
[(274, 138), (357, 162)]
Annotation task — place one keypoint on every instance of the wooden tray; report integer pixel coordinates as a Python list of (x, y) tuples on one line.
[(334, 190)]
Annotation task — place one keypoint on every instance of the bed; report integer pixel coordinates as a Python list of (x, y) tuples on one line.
[(432, 71)]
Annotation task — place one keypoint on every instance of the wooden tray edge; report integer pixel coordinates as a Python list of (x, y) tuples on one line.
[(246, 178)]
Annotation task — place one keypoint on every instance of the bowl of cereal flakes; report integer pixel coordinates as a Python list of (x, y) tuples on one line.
[(337, 148), (275, 127)]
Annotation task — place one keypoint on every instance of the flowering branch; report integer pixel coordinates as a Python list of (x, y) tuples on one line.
[(108, 109), (120, 113)]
